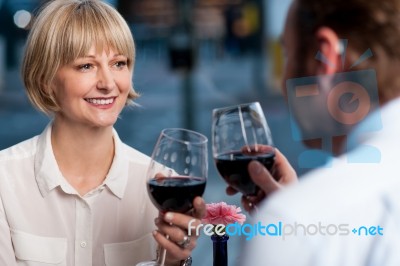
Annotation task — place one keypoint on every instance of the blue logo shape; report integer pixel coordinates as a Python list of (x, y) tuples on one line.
[(328, 106)]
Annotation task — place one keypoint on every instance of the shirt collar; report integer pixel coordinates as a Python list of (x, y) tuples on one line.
[(48, 175), (117, 176)]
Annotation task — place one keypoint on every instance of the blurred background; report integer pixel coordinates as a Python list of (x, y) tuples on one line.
[(192, 56)]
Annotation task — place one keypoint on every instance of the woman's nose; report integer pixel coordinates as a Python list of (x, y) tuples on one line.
[(105, 79)]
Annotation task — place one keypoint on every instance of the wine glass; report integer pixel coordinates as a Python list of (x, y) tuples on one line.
[(177, 173), (241, 134)]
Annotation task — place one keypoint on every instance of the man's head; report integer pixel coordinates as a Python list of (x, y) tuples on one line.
[(319, 26)]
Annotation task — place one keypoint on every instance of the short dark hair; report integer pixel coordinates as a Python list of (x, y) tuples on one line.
[(365, 24)]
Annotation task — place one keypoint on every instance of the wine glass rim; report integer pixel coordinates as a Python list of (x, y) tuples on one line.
[(201, 138), (235, 106)]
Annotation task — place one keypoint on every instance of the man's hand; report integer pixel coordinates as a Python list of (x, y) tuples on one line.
[(283, 175)]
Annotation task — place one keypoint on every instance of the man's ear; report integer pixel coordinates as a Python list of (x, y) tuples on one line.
[(329, 46)]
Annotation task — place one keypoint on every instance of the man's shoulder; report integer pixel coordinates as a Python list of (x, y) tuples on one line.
[(330, 191)]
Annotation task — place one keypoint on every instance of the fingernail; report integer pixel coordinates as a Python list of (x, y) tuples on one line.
[(168, 217), (255, 168), (155, 232), (201, 200)]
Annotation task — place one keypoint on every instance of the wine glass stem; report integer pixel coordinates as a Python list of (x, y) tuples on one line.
[(163, 254)]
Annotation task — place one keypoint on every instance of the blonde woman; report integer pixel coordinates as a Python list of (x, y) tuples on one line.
[(75, 194)]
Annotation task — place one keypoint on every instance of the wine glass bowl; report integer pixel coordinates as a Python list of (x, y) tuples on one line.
[(241, 134), (178, 170)]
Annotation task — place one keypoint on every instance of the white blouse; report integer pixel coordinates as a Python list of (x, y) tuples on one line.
[(44, 221)]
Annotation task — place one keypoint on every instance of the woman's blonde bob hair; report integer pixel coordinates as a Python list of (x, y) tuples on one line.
[(63, 31)]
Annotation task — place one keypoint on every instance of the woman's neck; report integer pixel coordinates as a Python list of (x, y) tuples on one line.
[(83, 154)]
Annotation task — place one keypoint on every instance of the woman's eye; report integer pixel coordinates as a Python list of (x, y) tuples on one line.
[(121, 64), (85, 67)]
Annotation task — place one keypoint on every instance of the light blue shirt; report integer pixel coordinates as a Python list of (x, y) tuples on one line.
[(347, 214)]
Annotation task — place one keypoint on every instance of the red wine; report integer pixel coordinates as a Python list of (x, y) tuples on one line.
[(175, 193), (232, 167)]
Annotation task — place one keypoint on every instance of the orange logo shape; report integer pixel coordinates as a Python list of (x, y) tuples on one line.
[(359, 94)]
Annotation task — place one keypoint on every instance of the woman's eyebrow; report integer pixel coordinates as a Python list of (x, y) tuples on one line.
[(87, 56), (91, 56)]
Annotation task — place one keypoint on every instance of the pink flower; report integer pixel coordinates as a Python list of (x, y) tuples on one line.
[(222, 213)]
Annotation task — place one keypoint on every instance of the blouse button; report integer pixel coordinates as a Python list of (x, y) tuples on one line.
[(83, 244)]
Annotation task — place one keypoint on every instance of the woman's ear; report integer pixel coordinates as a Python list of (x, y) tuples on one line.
[(330, 51)]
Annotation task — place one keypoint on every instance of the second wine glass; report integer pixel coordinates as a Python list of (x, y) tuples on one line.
[(240, 134)]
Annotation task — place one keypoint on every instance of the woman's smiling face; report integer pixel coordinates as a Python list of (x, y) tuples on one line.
[(93, 89)]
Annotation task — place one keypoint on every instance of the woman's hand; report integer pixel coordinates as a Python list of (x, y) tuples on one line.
[(180, 243), (283, 175)]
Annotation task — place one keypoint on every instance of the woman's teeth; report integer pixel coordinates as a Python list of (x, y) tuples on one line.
[(100, 101)]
